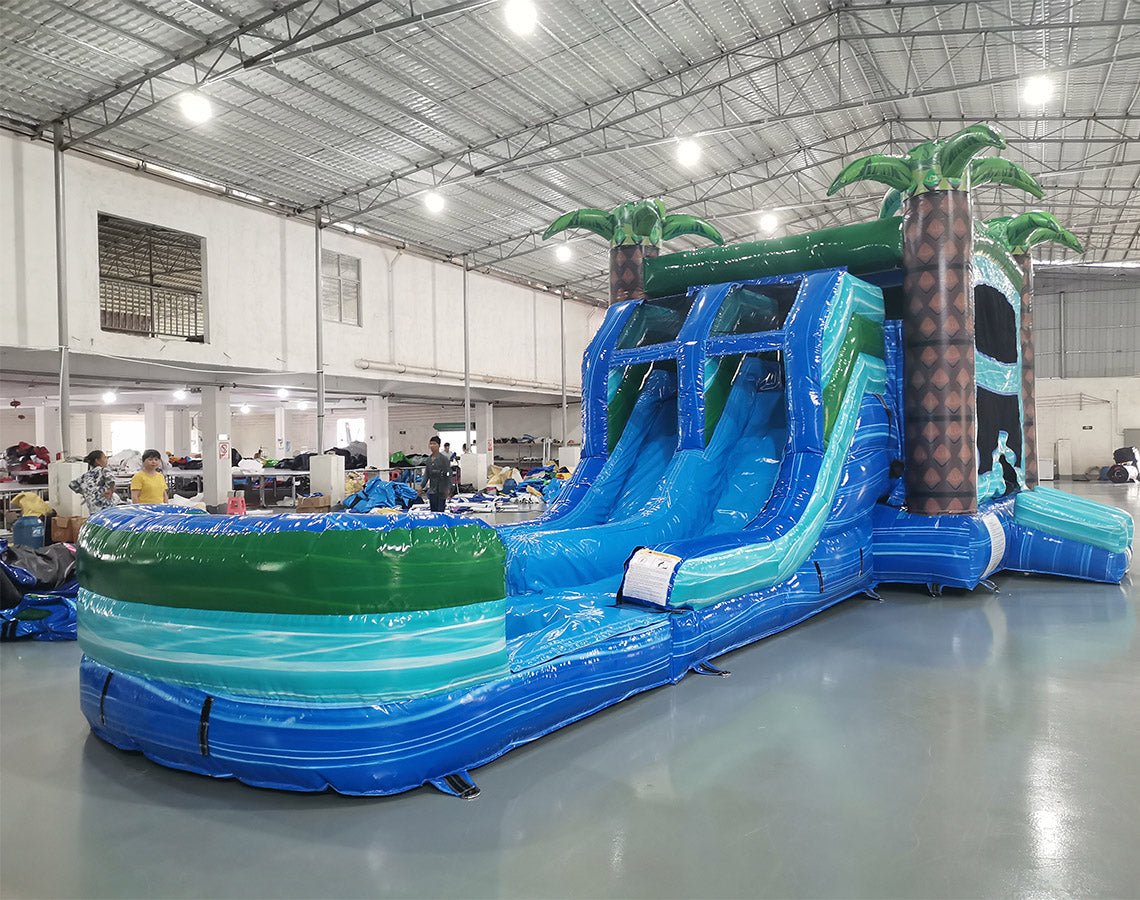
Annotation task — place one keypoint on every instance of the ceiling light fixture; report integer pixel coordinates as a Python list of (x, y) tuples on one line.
[(195, 107), (434, 202), (688, 153), (303, 405), (1038, 90), (521, 16), (563, 252), (283, 393), (769, 223), (110, 397), (180, 394), (244, 409)]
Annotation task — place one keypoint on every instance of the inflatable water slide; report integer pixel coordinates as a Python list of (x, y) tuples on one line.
[(768, 429)]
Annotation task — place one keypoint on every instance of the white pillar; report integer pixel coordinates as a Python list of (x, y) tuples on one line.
[(181, 431), (280, 434), (215, 430), (94, 437), (328, 438), (485, 427), (326, 476), (47, 429), (154, 427), (62, 498), (376, 425)]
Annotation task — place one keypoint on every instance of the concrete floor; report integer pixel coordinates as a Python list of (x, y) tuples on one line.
[(974, 746)]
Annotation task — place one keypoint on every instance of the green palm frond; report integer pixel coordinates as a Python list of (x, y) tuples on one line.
[(678, 224), (1037, 227), (893, 171), (596, 220), (995, 170), (955, 153)]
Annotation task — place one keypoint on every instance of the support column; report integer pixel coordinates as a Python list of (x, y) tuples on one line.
[(182, 431), (562, 346), (48, 429), (280, 434), (154, 427), (319, 330), (376, 425), (1028, 374), (94, 429), (466, 355), (217, 479), (485, 427), (326, 476), (940, 391), (63, 333), (328, 432)]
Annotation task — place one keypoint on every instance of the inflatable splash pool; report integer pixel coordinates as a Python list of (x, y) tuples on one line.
[(750, 458)]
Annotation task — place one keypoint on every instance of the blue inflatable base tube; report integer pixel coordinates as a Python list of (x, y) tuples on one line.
[(394, 747)]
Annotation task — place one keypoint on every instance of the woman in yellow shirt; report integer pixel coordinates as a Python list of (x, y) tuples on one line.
[(149, 485)]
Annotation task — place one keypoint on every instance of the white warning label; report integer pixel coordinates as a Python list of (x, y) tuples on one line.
[(997, 542), (648, 576)]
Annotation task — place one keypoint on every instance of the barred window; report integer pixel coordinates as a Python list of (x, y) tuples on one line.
[(151, 280), (340, 288)]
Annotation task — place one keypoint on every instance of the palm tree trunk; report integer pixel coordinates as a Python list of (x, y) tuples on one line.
[(1028, 374), (940, 391), (627, 270)]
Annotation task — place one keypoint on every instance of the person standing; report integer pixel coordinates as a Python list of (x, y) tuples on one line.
[(97, 484), (437, 477), (149, 485)]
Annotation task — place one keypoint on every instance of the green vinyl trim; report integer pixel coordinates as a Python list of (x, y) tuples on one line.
[(622, 400), (302, 572), (717, 389), (866, 247), (863, 336)]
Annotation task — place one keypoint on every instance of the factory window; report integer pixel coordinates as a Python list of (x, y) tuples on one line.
[(340, 288), (151, 280)]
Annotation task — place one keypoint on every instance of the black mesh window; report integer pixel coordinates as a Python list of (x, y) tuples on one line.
[(995, 326), (655, 321), (752, 308)]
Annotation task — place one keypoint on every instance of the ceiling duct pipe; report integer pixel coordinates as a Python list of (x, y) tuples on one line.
[(452, 375)]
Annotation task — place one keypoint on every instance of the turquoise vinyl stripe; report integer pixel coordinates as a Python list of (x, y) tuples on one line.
[(375, 657), (1076, 518), (999, 377), (705, 580)]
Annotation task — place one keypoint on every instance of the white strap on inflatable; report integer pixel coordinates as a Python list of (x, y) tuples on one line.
[(997, 542), (648, 576)]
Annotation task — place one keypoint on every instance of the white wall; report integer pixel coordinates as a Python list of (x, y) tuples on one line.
[(259, 284), (1095, 428)]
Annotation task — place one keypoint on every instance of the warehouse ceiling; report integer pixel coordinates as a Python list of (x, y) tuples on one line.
[(364, 109)]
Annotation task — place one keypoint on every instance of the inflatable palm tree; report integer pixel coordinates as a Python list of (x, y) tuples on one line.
[(932, 186), (635, 232), (1018, 234)]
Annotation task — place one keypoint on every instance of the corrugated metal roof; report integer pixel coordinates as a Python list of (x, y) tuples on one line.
[(587, 110)]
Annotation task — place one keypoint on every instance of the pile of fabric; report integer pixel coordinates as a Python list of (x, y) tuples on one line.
[(37, 592), (1125, 466), (27, 463), (380, 493)]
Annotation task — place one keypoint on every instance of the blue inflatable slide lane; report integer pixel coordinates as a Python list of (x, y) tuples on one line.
[(735, 479)]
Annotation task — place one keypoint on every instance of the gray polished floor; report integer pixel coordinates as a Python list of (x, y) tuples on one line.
[(974, 746)]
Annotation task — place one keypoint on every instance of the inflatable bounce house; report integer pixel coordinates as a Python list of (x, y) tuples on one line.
[(769, 428)]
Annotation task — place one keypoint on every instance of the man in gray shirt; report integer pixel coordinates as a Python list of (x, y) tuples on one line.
[(437, 478)]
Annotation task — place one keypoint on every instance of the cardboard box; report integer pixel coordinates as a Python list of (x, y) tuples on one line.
[(65, 529), (313, 504)]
